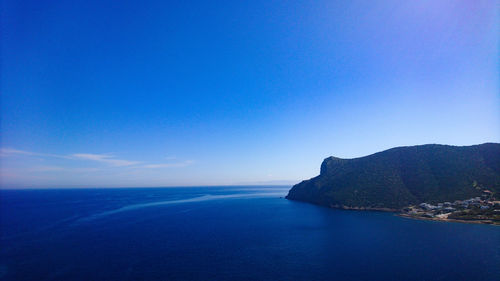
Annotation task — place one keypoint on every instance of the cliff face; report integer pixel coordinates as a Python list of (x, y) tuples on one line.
[(401, 176)]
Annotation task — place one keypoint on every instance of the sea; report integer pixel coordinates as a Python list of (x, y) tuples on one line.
[(227, 233)]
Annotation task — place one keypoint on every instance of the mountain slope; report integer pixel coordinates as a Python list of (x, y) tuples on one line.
[(401, 176)]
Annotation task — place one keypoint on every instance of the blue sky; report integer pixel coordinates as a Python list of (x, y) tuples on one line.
[(168, 93)]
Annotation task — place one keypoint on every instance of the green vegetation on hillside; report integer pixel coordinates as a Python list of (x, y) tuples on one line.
[(404, 176)]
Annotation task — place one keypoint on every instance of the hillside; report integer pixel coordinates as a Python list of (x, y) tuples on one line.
[(402, 176)]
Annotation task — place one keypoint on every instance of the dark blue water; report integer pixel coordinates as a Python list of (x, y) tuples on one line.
[(227, 233)]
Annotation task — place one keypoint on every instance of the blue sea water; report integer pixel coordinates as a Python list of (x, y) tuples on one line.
[(227, 233)]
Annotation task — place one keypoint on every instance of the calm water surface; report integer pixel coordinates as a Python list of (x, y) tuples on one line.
[(227, 233)]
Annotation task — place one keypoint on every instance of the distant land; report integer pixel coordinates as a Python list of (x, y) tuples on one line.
[(402, 178)]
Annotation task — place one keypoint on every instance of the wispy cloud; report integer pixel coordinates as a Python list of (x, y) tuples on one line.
[(63, 169), (107, 159), (104, 158), (10, 151), (169, 165), (5, 152)]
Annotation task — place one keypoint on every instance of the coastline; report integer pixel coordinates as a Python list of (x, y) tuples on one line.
[(399, 214), (488, 222), (343, 207)]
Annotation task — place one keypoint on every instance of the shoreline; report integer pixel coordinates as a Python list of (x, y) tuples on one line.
[(399, 214), (343, 207), (487, 222)]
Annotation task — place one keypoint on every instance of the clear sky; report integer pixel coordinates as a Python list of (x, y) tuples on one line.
[(167, 93)]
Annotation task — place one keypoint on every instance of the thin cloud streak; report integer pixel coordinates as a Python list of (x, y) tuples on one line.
[(63, 169), (104, 158), (5, 152), (107, 159)]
